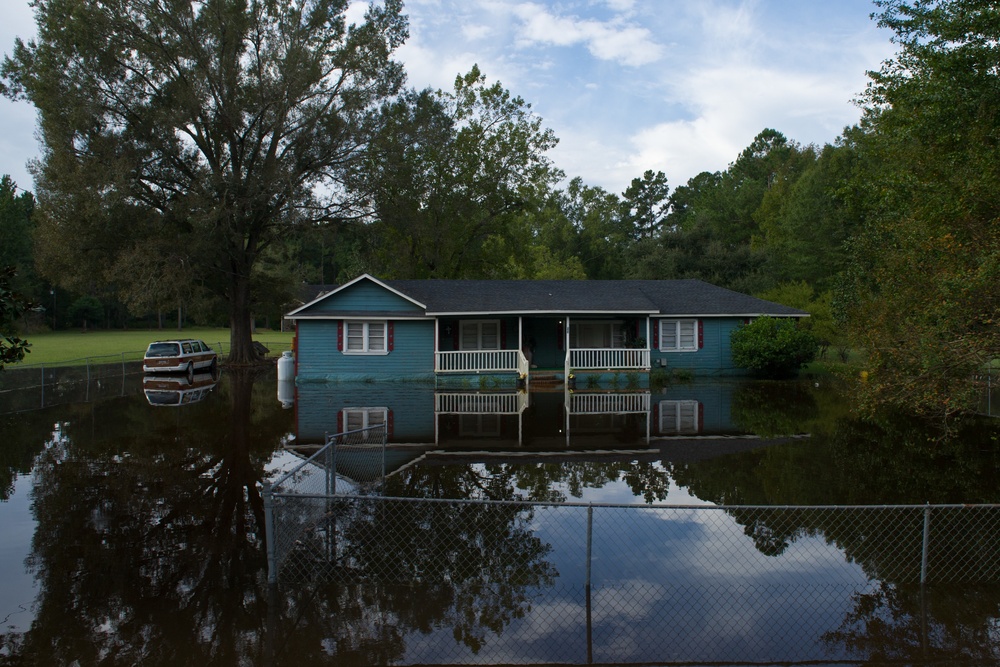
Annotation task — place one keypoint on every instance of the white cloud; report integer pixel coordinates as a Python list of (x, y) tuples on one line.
[(616, 41)]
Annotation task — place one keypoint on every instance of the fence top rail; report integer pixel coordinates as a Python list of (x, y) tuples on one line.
[(656, 506)]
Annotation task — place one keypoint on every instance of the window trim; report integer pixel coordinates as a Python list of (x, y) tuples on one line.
[(366, 337), (676, 324)]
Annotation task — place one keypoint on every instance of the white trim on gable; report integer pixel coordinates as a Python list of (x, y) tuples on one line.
[(363, 276)]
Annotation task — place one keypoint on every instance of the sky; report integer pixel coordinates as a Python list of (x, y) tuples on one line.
[(679, 86)]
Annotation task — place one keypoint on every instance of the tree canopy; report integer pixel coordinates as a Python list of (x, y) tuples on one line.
[(922, 292), (225, 120)]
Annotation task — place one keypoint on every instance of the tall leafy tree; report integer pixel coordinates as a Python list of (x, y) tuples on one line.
[(646, 202), (804, 221), (923, 290), (449, 177), (234, 119), (12, 306), (15, 234)]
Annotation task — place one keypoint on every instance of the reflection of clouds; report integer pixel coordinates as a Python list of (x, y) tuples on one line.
[(688, 582)]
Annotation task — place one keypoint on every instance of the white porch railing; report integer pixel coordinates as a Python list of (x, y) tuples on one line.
[(622, 358), (611, 403), (481, 404), (477, 361)]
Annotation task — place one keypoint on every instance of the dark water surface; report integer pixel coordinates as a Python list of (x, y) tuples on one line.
[(133, 529)]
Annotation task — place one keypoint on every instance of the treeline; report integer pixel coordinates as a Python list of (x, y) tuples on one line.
[(772, 224), (889, 235)]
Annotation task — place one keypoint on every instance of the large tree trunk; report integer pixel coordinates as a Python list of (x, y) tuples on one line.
[(241, 350)]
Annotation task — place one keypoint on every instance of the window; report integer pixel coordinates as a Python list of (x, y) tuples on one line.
[(679, 417), (678, 335), (596, 335), (365, 338), (480, 335), (357, 419), (483, 426)]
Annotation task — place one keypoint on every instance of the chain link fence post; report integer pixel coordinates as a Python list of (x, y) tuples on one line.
[(272, 566), (926, 544)]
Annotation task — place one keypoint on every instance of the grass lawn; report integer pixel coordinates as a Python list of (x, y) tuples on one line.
[(67, 346)]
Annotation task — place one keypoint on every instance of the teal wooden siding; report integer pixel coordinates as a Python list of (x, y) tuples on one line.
[(714, 398), (412, 357), (411, 408), (363, 296), (715, 356)]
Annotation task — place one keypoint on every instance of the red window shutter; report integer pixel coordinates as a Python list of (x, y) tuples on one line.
[(340, 335), (340, 421), (503, 334), (655, 343), (389, 334), (388, 425), (701, 334)]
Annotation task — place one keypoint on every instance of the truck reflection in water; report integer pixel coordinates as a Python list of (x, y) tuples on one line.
[(170, 390)]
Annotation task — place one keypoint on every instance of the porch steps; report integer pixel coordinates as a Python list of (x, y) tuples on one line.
[(542, 380)]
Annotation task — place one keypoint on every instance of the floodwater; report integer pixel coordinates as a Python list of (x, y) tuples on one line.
[(133, 525)]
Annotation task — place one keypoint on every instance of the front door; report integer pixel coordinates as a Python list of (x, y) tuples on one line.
[(543, 336)]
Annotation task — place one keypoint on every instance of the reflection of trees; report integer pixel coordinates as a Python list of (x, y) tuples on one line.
[(427, 563), (894, 460), (536, 482), (147, 548), (24, 436), (939, 625), (477, 561), (770, 409)]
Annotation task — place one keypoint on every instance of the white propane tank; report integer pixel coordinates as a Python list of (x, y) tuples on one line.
[(286, 367), (286, 393)]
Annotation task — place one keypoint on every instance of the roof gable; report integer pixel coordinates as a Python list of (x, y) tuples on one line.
[(364, 294)]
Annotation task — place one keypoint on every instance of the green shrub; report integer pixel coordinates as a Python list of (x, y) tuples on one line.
[(772, 347)]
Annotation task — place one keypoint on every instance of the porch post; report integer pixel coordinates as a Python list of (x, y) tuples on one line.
[(649, 352), (437, 336), (566, 347)]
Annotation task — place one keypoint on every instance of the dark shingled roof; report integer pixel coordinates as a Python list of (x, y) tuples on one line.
[(663, 297)]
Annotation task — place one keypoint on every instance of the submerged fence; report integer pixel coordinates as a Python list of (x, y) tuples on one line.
[(495, 582), (25, 387)]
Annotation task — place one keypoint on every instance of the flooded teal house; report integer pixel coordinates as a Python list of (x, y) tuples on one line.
[(491, 333)]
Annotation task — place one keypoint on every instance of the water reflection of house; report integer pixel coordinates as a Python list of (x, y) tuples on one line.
[(487, 333), (421, 422)]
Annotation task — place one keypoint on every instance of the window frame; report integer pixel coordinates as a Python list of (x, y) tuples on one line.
[(676, 324), (366, 337), (479, 335), (684, 415), (613, 330), (365, 413)]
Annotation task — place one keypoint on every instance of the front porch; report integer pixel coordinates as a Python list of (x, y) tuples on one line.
[(591, 345)]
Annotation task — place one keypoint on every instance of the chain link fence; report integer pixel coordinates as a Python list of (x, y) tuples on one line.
[(491, 582)]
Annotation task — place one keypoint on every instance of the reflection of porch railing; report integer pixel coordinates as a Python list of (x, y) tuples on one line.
[(608, 359), (597, 404), (493, 404), (473, 361)]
